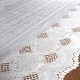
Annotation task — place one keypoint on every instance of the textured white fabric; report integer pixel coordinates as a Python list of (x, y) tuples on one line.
[(39, 40)]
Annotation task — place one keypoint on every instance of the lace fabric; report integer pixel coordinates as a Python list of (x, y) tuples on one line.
[(55, 48)]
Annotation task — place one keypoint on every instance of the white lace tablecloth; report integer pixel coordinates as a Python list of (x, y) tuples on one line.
[(39, 40)]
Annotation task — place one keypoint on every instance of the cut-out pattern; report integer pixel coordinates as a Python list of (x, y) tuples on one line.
[(69, 72), (42, 35), (55, 25), (4, 67), (74, 74), (25, 49), (65, 16), (65, 41), (31, 77), (79, 59), (73, 9), (77, 29), (50, 57)]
